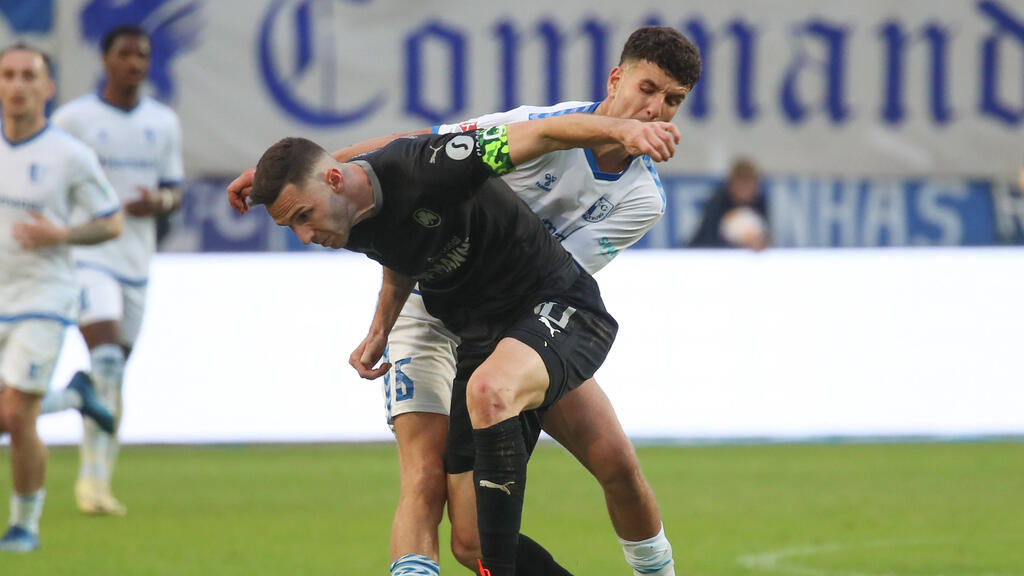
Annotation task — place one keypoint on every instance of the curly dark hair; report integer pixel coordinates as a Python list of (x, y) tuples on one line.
[(668, 49)]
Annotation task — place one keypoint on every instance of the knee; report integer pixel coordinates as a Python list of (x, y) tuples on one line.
[(614, 464), (465, 546), (17, 420), (426, 483), (486, 398)]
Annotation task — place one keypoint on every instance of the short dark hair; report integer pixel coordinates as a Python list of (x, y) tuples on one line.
[(288, 161), (116, 32), (47, 61), (668, 49)]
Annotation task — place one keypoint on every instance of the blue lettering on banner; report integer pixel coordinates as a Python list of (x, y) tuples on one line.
[(282, 82), (1008, 31), (28, 17), (455, 43), (804, 212)]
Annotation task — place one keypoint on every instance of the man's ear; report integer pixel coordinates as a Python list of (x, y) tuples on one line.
[(614, 79), (334, 178)]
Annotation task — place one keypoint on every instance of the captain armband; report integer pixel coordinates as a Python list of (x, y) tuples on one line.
[(492, 146)]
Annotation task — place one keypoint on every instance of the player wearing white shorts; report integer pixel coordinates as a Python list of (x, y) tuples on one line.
[(138, 141), (47, 177), (597, 202)]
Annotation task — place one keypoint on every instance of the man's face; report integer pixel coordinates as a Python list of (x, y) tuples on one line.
[(743, 190), (645, 92), (127, 61), (314, 212), (25, 84)]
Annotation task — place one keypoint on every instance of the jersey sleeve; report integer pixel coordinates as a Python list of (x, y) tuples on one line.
[(519, 114), (90, 190), (596, 244), (447, 167), (172, 168)]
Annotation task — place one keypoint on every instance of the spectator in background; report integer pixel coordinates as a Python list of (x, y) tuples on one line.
[(735, 216)]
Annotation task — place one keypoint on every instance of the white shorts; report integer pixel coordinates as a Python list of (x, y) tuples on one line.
[(28, 353), (106, 298), (422, 355)]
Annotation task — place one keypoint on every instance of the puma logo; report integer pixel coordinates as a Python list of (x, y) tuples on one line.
[(433, 157), (502, 487), (545, 322)]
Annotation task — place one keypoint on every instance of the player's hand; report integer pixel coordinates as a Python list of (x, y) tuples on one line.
[(366, 355), (655, 139), (40, 233), (239, 189), (148, 203)]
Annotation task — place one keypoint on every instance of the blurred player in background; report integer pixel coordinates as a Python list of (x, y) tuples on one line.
[(736, 215), (47, 175), (596, 204), (138, 141)]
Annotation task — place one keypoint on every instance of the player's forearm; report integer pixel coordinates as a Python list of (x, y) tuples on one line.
[(96, 231), (394, 291), (349, 152), (528, 140)]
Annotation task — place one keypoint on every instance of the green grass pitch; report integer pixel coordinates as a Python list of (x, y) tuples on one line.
[(802, 510)]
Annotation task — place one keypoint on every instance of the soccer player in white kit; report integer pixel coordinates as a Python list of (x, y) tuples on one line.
[(597, 203), (47, 176), (138, 141)]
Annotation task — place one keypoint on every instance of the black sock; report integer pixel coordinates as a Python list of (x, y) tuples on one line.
[(533, 560), (499, 479)]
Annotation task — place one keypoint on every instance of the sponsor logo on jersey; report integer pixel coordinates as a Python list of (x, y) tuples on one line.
[(467, 126), (598, 210), (433, 157), (459, 148), (426, 218), (549, 180), (452, 256)]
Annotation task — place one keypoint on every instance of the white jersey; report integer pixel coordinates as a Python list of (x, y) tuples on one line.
[(53, 174), (138, 148), (594, 214)]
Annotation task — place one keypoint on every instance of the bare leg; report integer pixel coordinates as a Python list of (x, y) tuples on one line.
[(585, 423), (28, 453), (421, 438), (462, 513)]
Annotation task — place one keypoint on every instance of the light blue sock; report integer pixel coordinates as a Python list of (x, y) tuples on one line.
[(415, 565)]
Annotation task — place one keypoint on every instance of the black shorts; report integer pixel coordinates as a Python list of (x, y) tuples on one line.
[(572, 332)]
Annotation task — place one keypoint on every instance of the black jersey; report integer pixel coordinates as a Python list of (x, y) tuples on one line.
[(445, 219)]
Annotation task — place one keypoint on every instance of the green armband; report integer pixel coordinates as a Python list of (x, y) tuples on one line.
[(493, 145)]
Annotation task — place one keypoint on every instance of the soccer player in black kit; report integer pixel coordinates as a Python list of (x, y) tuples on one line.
[(532, 324)]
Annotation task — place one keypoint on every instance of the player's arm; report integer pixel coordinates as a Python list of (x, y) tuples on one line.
[(394, 291), (349, 152), (42, 232), (529, 140), (595, 245)]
